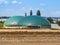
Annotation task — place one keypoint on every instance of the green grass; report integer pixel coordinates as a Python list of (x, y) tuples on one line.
[(54, 29), (1, 25)]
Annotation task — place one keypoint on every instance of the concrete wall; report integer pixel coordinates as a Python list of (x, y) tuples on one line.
[(55, 26), (2, 20)]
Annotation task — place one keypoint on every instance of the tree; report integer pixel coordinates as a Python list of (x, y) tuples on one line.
[(31, 13), (25, 14), (50, 20), (58, 22), (38, 13)]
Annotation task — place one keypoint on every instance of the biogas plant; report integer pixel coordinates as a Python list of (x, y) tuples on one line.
[(27, 22)]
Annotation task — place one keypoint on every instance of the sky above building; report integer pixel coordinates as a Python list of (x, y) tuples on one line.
[(48, 8)]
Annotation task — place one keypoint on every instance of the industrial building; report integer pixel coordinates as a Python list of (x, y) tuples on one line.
[(27, 22)]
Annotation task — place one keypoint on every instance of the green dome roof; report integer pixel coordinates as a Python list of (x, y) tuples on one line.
[(34, 21), (13, 20)]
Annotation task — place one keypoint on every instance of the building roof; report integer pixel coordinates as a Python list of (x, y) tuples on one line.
[(34, 21), (13, 20)]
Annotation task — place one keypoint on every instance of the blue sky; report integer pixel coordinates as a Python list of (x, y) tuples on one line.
[(48, 8)]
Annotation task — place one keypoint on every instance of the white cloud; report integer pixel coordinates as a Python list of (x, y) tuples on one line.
[(30, 8), (42, 4), (14, 2), (19, 2), (55, 12), (7, 2), (3, 2)]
